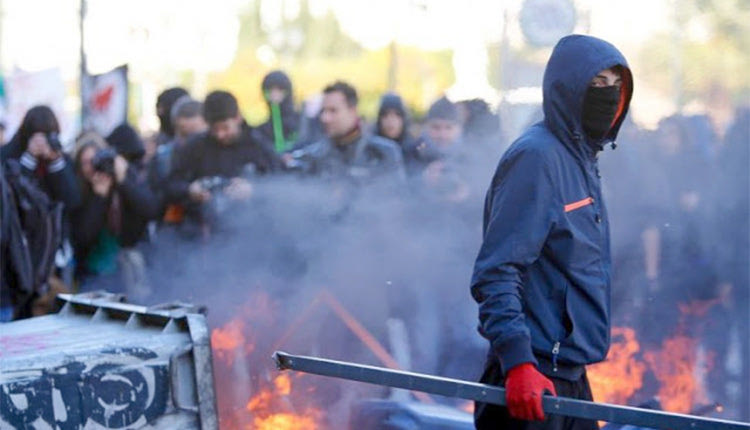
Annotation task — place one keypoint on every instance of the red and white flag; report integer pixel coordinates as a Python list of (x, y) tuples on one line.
[(106, 100)]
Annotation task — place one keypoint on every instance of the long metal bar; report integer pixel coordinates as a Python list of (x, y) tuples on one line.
[(492, 394)]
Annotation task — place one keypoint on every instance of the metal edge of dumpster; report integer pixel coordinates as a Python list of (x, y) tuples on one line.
[(167, 314), (202, 358)]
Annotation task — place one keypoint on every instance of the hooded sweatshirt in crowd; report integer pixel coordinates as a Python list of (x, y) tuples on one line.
[(281, 130), (164, 104), (393, 102), (56, 179)]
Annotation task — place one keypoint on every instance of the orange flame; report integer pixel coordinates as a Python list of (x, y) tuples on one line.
[(674, 366), (260, 402), (227, 340), (678, 364), (243, 381), (265, 407), (283, 384), (285, 422), (621, 374)]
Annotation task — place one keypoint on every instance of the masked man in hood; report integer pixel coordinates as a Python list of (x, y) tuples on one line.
[(542, 276)]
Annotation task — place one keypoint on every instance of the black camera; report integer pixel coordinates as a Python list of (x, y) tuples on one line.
[(104, 161), (214, 184), (53, 140)]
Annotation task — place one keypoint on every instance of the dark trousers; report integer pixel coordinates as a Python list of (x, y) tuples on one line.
[(493, 417)]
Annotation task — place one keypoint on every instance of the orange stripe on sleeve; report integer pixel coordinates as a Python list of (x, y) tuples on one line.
[(579, 204)]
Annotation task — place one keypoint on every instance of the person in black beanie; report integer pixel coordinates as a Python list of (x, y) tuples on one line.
[(440, 138), (222, 155), (126, 142), (443, 125), (280, 131), (480, 125)]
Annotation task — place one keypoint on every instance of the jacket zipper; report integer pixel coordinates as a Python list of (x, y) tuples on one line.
[(555, 353)]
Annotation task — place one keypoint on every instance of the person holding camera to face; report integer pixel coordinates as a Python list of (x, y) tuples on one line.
[(36, 147), (111, 221), (42, 192)]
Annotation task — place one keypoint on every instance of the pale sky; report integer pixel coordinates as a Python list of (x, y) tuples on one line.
[(160, 38), (181, 34)]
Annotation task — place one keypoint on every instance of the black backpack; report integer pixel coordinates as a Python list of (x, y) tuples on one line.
[(34, 230)]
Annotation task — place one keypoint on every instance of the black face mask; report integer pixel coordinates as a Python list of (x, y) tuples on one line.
[(599, 110)]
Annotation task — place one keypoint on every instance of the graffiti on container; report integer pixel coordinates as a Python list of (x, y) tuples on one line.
[(117, 389)]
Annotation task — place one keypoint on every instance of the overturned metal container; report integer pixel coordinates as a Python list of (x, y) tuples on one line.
[(102, 364)]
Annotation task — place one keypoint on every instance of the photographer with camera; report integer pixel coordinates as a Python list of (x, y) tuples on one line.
[(117, 205), (226, 151), (41, 192), (36, 146)]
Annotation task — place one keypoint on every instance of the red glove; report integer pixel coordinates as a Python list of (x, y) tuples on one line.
[(524, 387)]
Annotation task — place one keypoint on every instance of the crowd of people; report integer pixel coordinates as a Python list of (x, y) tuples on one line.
[(677, 196), (116, 192), (678, 203)]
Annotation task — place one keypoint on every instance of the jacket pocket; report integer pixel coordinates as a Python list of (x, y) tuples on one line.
[(570, 207)]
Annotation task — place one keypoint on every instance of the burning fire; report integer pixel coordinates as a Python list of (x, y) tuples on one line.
[(285, 422), (675, 366), (264, 405), (249, 398), (253, 397), (283, 384), (228, 339), (617, 378)]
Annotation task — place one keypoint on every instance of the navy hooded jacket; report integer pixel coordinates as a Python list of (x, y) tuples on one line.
[(542, 276)]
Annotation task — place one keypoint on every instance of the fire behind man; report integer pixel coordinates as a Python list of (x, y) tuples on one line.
[(542, 276)]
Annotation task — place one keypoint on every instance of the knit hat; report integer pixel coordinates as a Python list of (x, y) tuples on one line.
[(443, 109), (220, 106), (126, 141)]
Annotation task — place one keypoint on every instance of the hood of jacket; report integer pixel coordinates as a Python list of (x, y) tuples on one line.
[(392, 101), (575, 61), (289, 118)]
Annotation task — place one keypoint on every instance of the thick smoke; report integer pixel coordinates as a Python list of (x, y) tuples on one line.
[(678, 204), (391, 249), (384, 247)]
